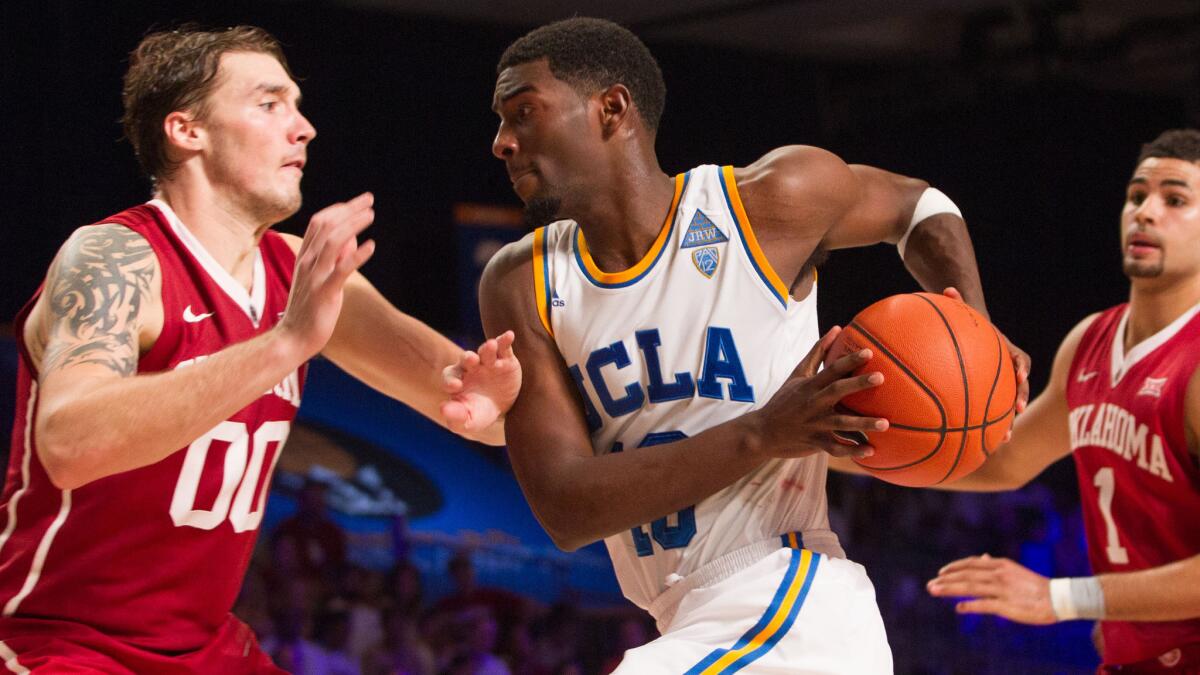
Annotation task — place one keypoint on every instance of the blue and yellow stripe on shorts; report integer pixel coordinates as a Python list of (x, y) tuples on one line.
[(775, 622)]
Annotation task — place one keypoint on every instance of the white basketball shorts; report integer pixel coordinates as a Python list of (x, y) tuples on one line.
[(794, 611)]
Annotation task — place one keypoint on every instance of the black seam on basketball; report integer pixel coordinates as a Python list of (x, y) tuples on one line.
[(962, 369), (912, 376), (900, 364), (983, 444), (941, 432)]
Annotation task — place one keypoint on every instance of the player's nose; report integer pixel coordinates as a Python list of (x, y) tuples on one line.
[(504, 145), (302, 130)]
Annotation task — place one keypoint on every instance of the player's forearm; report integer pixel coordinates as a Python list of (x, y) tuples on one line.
[(939, 254), (588, 498), (395, 354), (1167, 593), (87, 429)]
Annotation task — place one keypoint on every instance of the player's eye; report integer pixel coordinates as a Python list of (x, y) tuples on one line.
[(269, 106), (1176, 201), (1136, 198)]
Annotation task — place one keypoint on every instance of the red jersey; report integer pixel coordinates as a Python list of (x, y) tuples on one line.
[(1139, 484), (154, 557)]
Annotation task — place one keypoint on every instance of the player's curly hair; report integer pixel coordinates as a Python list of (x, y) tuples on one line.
[(176, 70), (592, 54), (1173, 144)]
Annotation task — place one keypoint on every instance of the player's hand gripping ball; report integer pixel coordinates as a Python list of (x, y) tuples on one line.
[(949, 390)]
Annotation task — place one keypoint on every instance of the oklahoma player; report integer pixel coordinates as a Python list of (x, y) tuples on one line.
[(162, 362), (1124, 399)]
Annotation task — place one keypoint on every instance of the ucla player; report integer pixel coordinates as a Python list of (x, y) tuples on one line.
[(1124, 400), (660, 322), (162, 363)]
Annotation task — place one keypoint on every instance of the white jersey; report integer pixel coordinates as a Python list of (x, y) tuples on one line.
[(699, 332)]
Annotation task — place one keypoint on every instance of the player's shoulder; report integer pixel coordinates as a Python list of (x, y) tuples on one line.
[(1064, 358), (293, 241), (510, 269), (104, 241), (795, 172)]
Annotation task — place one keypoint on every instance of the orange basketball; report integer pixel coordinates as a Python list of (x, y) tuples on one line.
[(949, 390)]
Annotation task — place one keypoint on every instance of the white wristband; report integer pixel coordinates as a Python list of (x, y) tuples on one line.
[(932, 202), (1077, 598)]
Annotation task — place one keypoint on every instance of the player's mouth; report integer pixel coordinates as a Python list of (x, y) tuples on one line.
[(297, 164), (1140, 245), (522, 180)]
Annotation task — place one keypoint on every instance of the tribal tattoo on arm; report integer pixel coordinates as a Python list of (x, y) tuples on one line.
[(96, 289)]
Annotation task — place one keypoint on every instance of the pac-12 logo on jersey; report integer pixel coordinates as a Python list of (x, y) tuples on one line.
[(702, 231), (706, 260)]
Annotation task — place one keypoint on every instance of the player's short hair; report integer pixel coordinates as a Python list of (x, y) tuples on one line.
[(177, 70), (1174, 144), (593, 54)]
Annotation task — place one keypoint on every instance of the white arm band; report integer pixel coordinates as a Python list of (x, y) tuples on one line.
[(1077, 598), (932, 202)]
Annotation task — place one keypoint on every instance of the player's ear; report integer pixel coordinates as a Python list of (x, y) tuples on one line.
[(183, 131), (616, 109)]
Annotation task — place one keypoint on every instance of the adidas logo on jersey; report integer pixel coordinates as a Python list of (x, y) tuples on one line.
[(556, 301), (702, 231)]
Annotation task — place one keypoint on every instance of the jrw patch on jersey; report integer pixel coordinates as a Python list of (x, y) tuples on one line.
[(702, 231)]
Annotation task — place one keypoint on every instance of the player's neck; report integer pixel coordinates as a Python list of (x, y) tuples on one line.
[(621, 222), (1154, 307), (229, 234)]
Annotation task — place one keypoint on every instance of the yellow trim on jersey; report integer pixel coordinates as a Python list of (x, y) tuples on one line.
[(748, 234), (777, 620), (793, 541), (651, 255), (541, 279)]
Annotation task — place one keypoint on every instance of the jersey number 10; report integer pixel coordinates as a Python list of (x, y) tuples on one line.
[(667, 535)]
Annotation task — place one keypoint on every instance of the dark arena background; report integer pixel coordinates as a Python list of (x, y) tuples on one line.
[(1028, 113)]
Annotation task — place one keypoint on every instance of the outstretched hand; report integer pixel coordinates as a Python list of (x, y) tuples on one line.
[(1021, 362), (482, 386), (996, 586)]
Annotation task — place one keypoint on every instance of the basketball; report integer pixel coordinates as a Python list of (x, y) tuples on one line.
[(949, 389)]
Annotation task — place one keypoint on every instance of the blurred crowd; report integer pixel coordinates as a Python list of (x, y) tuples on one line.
[(315, 612)]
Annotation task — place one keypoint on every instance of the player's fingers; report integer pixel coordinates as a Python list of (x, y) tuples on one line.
[(848, 448), (504, 343), (354, 259), (487, 353), (452, 379), (838, 389), (980, 606), (952, 293), (854, 423), (468, 361), (966, 583), (841, 368), (984, 561), (811, 363)]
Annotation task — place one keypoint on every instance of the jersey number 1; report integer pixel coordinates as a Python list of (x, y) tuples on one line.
[(238, 474), (1107, 483)]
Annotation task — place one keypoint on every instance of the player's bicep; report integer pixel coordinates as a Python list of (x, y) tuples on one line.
[(547, 421), (880, 212), (97, 296)]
